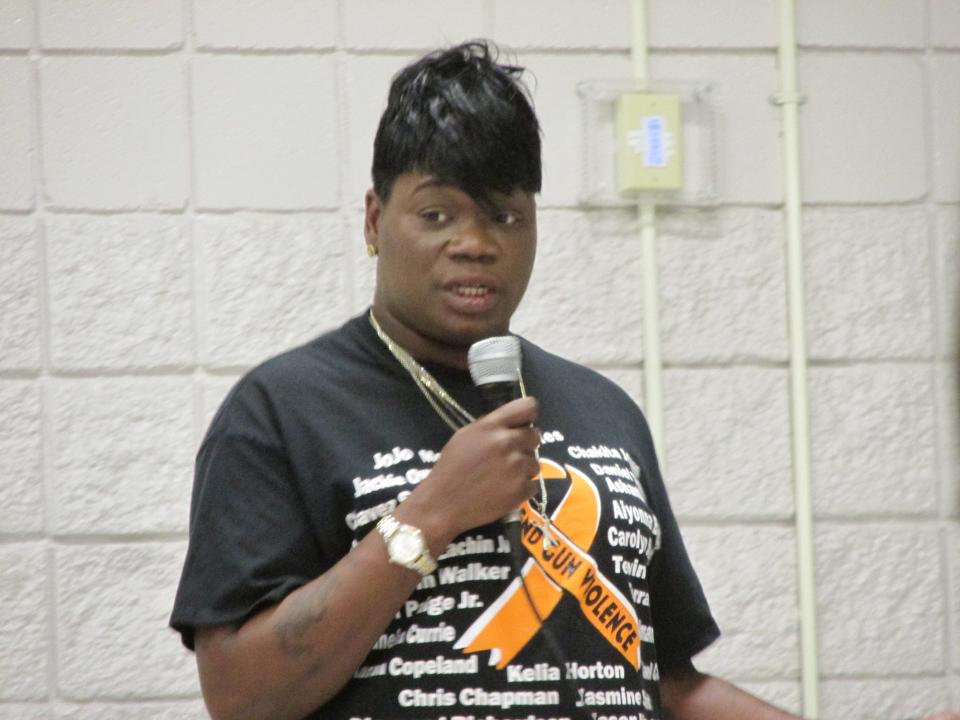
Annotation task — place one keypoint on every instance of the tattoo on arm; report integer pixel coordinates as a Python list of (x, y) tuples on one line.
[(306, 611)]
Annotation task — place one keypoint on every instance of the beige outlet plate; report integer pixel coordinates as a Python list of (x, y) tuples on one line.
[(649, 142)]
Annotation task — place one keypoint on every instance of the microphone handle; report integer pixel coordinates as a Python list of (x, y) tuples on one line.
[(494, 395)]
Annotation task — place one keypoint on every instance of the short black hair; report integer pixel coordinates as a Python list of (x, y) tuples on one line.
[(462, 117)]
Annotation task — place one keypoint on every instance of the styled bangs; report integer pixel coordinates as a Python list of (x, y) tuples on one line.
[(464, 119)]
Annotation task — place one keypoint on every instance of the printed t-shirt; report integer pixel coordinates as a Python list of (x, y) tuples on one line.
[(313, 447)]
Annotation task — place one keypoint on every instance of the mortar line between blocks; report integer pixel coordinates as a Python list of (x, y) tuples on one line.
[(947, 600), (263, 52), (939, 315), (831, 522), (348, 261), (162, 212), (197, 297), (50, 584), (133, 702), (892, 676), (118, 538), (929, 204), (108, 52), (43, 379)]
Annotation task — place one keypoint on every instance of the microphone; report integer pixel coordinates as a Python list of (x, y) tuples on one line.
[(494, 365)]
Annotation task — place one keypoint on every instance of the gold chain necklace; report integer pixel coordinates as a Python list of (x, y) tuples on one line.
[(452, 413), (449, 410)]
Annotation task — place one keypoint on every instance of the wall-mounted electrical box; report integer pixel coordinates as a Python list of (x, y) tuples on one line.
[(648, 138)]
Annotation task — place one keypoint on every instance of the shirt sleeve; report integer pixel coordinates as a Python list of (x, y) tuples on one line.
[(682, 622), (250, 543)]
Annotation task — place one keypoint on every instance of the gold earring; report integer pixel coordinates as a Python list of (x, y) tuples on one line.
[(372, 250)]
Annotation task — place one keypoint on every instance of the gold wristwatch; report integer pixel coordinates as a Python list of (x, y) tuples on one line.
[(406, 546)]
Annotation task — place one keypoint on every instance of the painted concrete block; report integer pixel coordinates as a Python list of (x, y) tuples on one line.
[(23, 622), (945, 23), (122, 454), (110, 24), (19, 711), (120, 290), (715, 24), (21, 488), (554, 80), (862, 141), (747, 131), (120, 120), (265, 132), (269, 282), (879, 599), (945, 100), (19, 295), (861, 23), (948, 281), (564, 24), (583, 299), (892, 697), (873, 440), (265, 24), (378, 23), (16, 133), (728, 443), (748, 574), (867, 277), (16, 24), (722, 286), (127, 589)]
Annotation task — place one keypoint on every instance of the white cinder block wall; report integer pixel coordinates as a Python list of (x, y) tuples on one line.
[(180, 194)]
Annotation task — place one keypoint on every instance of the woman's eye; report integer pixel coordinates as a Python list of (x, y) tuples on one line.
[(435, 217)]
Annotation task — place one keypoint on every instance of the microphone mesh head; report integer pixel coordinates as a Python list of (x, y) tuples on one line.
[(494, 360)]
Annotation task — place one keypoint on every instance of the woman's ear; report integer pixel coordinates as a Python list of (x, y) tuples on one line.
[(373, 209)]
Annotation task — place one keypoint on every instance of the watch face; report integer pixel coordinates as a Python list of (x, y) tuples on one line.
[(405, 547)]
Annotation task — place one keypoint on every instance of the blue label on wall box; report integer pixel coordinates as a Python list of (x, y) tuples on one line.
[(654, 131)]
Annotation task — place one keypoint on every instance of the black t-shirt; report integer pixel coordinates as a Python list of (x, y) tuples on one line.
[(311, 448)]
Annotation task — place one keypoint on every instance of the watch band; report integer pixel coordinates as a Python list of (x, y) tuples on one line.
[(389, 528)]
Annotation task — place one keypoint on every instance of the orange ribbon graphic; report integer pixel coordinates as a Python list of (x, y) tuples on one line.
[(513, 619)]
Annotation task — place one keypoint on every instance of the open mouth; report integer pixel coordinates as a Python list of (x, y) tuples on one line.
[(472, 291), (472, 296)]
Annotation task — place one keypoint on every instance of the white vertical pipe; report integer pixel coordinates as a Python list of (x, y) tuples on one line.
[(789, 101), (646, 216), (638, 34), (653, 386), (652, 357)]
